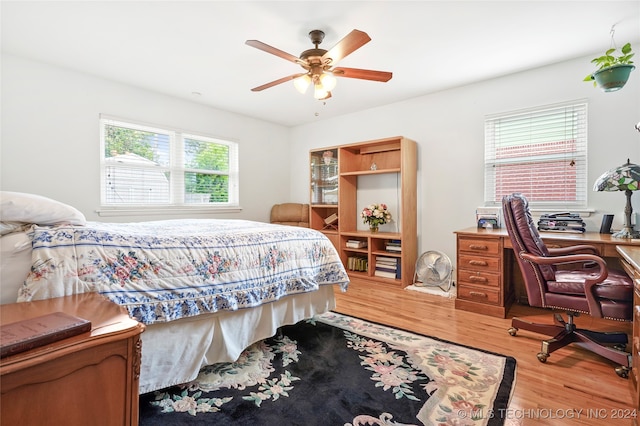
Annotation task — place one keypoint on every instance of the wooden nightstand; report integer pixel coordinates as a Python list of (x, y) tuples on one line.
[(91, 378)]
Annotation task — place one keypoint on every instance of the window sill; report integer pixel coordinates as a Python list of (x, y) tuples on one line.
[(173, 210)]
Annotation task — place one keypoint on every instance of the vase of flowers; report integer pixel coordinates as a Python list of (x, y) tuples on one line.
[(375, 215)]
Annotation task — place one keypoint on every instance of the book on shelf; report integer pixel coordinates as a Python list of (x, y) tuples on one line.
[(357, 263), (387, 267), (384, 274), (393, 245), (388, 273), (356, 244), (31, 333), (386, 259)]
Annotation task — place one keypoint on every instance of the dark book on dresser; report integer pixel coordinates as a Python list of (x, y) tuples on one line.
[(31, 333)]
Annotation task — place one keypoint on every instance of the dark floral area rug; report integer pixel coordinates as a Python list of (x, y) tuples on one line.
[(343, 371)]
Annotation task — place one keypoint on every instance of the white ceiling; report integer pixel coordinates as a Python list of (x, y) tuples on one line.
[(178, 48)]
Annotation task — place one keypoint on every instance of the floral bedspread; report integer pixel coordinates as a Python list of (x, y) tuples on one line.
[(165, 270)]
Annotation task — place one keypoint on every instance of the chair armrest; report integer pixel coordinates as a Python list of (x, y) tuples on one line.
[(598, 276), (577, 249)]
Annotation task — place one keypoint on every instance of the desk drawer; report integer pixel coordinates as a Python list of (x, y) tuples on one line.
[(479, 263), (475, 245), (478, 294), (478, 278)]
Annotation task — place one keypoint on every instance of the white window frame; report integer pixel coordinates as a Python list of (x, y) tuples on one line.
[(176, 170), (571, 125)]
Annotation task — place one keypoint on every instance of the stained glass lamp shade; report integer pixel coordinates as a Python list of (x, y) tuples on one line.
[(623, 178)]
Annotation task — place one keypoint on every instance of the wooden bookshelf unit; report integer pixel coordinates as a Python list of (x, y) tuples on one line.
[(392, 159)]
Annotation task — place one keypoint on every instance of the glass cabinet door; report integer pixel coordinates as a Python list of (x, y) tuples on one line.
[(324, 177)]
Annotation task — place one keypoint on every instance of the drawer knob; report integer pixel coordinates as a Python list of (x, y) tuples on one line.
[(478, 263), (477, 294), (477, 278), (478, 247)]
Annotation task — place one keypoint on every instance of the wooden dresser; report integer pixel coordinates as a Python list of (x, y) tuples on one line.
[(87, 379), (482, 286)]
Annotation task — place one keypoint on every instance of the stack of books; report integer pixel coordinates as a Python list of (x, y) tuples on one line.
[(394, 246), (357, 263), (562, 222), (356, 244), (387, 267)]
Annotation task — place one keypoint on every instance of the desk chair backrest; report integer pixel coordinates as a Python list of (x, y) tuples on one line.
[(525, 238)]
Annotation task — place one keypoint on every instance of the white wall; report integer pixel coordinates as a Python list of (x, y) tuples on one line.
[(50, 137), (449, 129)]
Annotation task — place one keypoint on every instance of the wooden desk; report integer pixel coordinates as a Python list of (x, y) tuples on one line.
[(91, 378), (631, 263), (489, 279)]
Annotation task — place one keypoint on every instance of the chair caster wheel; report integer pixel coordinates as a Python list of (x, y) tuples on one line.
[(512, 331), (542, 357), (623, 371)]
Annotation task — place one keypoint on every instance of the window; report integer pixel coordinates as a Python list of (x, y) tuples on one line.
[(541, 153), (148, 166)]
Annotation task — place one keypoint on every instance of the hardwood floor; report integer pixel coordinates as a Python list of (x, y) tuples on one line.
[(574, 386)]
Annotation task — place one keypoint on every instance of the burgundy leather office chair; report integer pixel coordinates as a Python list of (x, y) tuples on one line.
[(589, 287)]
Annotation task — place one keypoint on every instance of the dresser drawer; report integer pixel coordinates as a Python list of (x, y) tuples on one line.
[(476, 245), (477, 278), (479, 263), (482, 295)]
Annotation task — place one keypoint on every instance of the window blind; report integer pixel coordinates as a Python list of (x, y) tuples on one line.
[(539, 152), (151, 166)]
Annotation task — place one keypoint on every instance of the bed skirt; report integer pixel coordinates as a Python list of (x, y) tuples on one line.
[(174, 352)]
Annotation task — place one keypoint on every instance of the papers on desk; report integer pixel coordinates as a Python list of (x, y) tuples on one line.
[(562, 222)]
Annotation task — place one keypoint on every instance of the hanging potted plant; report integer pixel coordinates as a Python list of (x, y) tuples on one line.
[(613, 71)]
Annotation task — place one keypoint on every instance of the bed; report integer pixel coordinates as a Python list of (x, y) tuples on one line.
[(205, 288)]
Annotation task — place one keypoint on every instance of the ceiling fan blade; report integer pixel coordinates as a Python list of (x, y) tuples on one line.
[(276, 82), (270, 49), (350, 43), (362, 74)]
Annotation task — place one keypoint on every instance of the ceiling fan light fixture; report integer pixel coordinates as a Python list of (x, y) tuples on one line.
[(320, 92), (328, 81), (302, 83)]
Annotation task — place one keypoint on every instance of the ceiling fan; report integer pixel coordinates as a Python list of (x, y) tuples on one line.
[(318, 64)]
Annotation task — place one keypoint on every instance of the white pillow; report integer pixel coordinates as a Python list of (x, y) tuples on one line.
[(10, 227), (31, 208)]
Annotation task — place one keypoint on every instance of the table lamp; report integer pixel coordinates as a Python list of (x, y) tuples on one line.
[(623, 178)]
